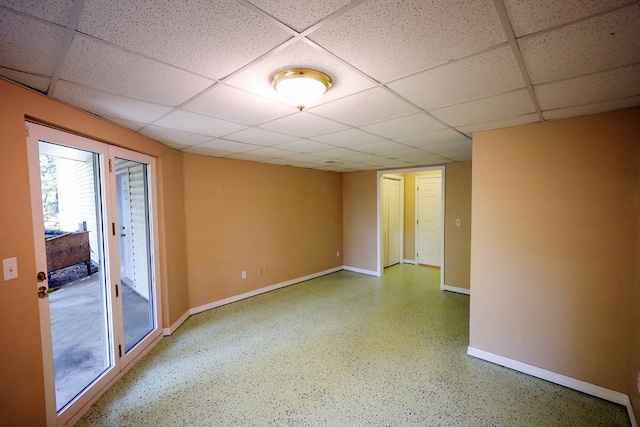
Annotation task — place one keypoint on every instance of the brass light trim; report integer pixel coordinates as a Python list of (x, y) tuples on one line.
[(309, 73)]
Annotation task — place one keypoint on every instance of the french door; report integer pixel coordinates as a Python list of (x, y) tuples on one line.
[(94, 234)]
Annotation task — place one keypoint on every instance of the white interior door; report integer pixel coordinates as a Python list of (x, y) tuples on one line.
[(394, 221), (91, 327), (429, 220), (385, 222)]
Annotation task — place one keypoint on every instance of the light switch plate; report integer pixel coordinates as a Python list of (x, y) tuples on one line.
[(9, 269)]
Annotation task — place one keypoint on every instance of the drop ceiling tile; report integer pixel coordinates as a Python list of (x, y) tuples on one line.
[(489, 73), (598, 87), (405, 126), (365, 107), (584, 110), (260, 137), (441, 136), (57, 11), (463, 154), (129, 124), (96, 64), (209, 37), (421, 159), (380, 147), (247, 157), (303, 125), (28, 45), (347, 138), (32, 81), (336, 153), (405, 153), (230, 146), (204, 151), (109, 105), (239, 106), (255, 79), (601, 43), (449, 147), (198, 124), (487, 109), (305, 158), (368, 159), (439, 31), (305, 146), (299, 14), (271, 152), (173, 136), (531, 16), (501, 123)]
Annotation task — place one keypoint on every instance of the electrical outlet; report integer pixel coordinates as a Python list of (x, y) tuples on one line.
[(458, 222), (244, 275), (338, 254)]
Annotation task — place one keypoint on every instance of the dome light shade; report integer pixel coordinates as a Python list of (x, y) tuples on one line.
[(300, 87)]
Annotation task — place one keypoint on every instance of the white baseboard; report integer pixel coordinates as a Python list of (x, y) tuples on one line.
[(456, 289), (360, 270), (409, 261), (250, 294), (584, 387), (171, 329)]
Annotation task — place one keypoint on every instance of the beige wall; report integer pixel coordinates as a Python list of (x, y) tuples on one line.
[(360, 219), (21, 375), (634, 370), (457, 240), (248, 216), (553, 250)]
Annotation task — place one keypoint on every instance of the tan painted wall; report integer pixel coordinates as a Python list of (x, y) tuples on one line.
[(360, 219), (457, 240), (247, 216), (553, 255), (634, 370), (21, 374)]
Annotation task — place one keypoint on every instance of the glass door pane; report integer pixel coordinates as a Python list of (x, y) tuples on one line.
[(136, 272), (74, 240)]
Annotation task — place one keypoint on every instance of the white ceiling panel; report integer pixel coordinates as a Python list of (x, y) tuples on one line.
[(390, 39), (198, 123), (300, 54), (303, 125), (305, 146), (380, 147), (584, 110), (409, 77), (209, 37), (229, 146), (405, 126), (299, 14), (365, 107), (501, 123), (233, 104), (487, 109), (261, 137), (590, 89), (489, 73), (438, 137), (92, 63), (109, 104), (181, 138), (32, 81), (531, 16), (28, 45), (56, 11), (348, 138), (601, 43)]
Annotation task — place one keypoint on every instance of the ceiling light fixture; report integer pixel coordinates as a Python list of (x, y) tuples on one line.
[(300, 87)]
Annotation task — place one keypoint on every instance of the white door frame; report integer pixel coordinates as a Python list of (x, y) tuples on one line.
[(75, 409), (441, 168), (400, 180)]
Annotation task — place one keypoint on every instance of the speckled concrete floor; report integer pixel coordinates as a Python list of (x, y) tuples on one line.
[(341, 350)]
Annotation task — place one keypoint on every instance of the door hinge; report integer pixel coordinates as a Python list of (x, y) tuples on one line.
[(117, 292), (418, 188), (26, 131), (113, 228), (110, 166), (119, 350)]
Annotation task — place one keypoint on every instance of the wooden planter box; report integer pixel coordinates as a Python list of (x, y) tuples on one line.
[(68, 249)]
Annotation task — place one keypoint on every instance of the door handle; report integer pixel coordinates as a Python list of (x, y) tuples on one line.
[(43, 292)]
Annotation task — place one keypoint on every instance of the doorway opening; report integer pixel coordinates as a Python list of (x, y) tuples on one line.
[(421, 225)]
